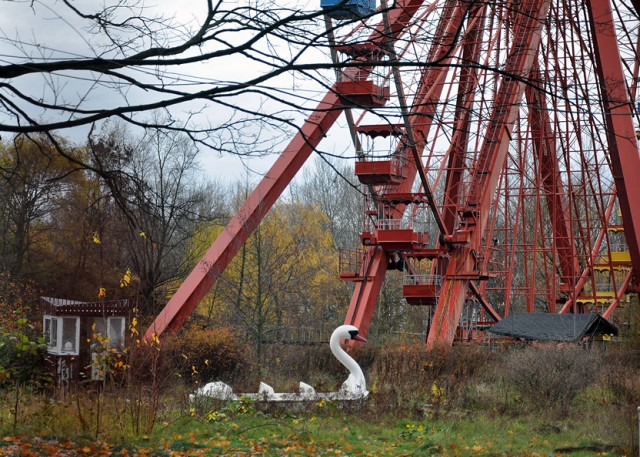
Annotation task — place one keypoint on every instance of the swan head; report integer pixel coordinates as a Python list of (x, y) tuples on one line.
[(347, 332)]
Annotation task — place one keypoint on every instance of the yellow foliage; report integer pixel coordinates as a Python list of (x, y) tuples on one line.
[(437, 391), (126, 279), (290, 258)]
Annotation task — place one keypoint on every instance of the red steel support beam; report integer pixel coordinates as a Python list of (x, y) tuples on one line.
[(506, 105), (483, 302), (451, 300), (620, 131), (529, 19), (458, 149), (248, 217), (544, 144), (366, 292), (431, 84), (619, 293), (570, 305)]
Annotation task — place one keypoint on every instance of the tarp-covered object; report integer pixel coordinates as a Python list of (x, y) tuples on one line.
[(553, 327)]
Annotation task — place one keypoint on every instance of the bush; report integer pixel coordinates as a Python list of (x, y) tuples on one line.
[(201, 356), (285, 365), (22, 351), (18, 299), (411, 380), (621, 375), (552, 376), (22, 362)]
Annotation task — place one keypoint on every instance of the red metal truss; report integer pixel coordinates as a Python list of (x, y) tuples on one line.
[(487, 170), (620, 131), (367, 289), (570, 304), (544, 143), (249, 216), (363, 301), (510, 124), (468, 84)]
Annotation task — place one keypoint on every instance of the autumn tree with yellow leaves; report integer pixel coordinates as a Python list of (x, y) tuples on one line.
[(57, 218), (282, 279)]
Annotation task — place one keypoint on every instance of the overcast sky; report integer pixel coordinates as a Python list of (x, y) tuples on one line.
[(48, 31)]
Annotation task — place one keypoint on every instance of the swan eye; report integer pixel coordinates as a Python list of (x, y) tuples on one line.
[(353, 333)]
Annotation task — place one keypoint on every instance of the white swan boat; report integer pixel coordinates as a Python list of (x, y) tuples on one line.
[(354, 388)]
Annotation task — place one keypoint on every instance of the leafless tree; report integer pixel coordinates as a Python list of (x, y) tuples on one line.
[(169, 201), (211, 73), (224, 76), (331, 187)]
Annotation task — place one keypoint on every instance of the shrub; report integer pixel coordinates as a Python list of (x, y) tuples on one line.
[(201, 356), (411, 380), (18, 299), (552, 376), (285, 365), (622, 375), (22, 358)]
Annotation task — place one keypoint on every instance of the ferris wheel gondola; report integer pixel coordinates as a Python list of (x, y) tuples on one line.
[(348, 9)]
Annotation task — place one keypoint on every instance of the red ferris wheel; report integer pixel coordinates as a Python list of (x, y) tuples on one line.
[(496, 146)]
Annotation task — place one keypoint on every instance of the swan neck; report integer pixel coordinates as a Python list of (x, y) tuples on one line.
[(345, 358)]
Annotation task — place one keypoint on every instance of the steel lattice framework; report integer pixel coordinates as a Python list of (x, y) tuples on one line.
[(497, 148)]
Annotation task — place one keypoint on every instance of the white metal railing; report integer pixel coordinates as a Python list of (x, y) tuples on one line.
[(377, 155), (418, 226), (358, 76), (350, 261)]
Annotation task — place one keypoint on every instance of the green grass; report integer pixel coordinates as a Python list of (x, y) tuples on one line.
[(245, 431), (479, 435)]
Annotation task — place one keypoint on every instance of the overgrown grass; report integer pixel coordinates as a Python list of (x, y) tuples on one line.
[(352, 433), (472, 401)]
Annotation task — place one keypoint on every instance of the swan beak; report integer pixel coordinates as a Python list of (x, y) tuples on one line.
[(359, 338)]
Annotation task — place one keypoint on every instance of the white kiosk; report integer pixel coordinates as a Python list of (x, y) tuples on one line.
[(69, 327)]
